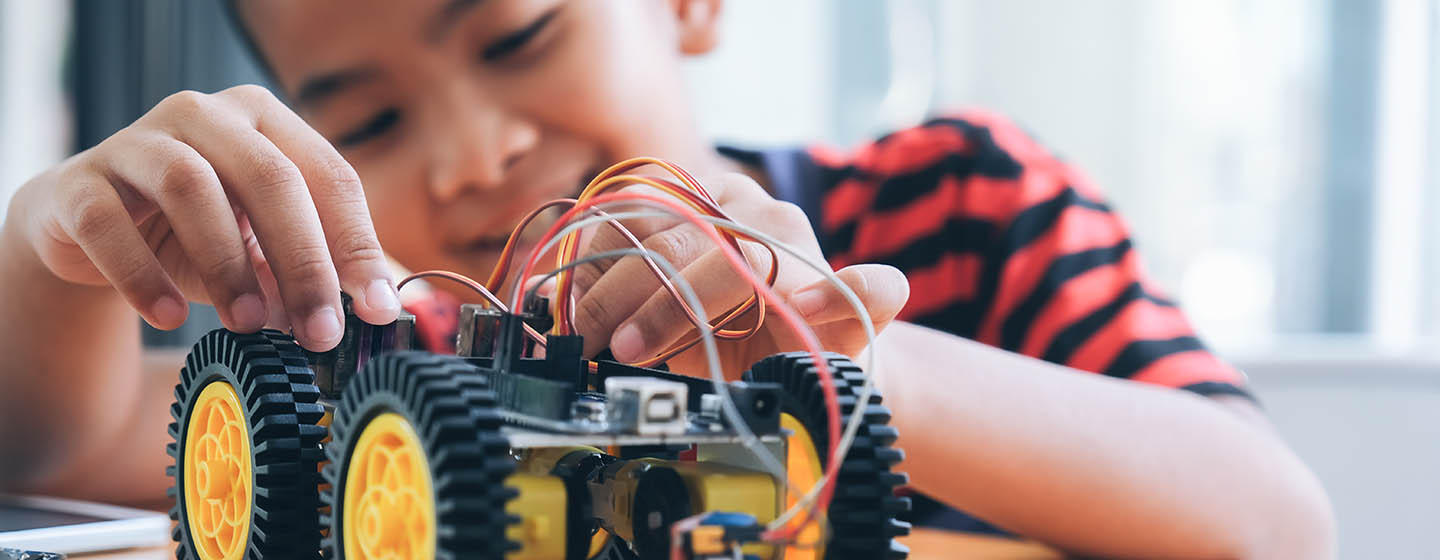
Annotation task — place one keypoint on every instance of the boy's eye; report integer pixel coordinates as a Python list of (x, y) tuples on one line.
[(376, 126), (517, 40)]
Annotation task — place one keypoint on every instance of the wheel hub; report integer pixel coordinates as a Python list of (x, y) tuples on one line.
[(218, 471), (389, 509)]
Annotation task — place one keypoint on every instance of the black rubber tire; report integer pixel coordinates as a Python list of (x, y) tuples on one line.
[(279, 398), (449, 404), (864, 508)]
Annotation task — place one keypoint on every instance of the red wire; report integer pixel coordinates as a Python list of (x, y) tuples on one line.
[(507, 253), (475, 286), (564, 308), (692, 192), (738, 262)]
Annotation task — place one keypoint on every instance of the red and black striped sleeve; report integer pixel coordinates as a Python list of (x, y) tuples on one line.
[(437, 319), (1005, 244)]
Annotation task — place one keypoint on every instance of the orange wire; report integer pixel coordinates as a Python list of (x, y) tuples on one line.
[(697, 198), (507, 254), (638, 162), (689, 191), (700, 200), (473, 285), (502, 267)]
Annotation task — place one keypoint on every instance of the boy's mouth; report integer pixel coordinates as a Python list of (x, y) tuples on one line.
[(490, 244), (484, 244)]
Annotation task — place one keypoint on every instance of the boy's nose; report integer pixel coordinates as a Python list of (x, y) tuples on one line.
[(483, 147)]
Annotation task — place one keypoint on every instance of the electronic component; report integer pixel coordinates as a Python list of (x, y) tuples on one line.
[(360, 342), (479, 330), (17, 554), (718, 534), (758, 403), (471, 414), (646, 406), (638, 501)]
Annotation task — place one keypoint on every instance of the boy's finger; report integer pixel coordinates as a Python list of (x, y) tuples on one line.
[(96, 219), (661, 320), (881, 288), (617, 235), (178, 180), (734, 190), (273, 192), (277, 318), (340, 203), (618, 291)]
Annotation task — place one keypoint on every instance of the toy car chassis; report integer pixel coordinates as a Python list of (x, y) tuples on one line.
[(375, 450)]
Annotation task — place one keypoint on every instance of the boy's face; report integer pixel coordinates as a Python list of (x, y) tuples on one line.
[(462, 115)]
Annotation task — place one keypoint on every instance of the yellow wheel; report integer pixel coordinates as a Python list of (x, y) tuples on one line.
[(217, 474), (804, 468), (389, 501), (246, 450), (417, 465), (862, 514)]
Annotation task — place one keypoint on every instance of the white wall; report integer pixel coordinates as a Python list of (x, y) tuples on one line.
[(1369, 429), (769, 80), (34, 122), (1202, 121)]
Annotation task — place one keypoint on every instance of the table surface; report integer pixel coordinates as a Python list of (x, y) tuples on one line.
[(924, 544)]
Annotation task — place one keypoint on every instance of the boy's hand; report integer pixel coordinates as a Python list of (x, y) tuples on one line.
[(622, 305), (226, 198)]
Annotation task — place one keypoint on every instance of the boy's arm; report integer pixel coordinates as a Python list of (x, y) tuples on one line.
[(1096, 465), (71, 383)]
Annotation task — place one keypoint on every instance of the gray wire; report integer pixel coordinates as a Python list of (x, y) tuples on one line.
[(712, 353), (852, 427)]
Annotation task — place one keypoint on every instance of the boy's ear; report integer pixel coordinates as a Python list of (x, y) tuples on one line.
[(698, 23)]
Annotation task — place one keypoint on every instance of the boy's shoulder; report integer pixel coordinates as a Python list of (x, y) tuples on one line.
[(974, 159), (971, 163), (983, 142), (965, 176)]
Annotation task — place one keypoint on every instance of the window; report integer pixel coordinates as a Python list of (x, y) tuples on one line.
[(1269, 156)]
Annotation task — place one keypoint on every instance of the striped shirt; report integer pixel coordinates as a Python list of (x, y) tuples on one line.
[(1003, 243)]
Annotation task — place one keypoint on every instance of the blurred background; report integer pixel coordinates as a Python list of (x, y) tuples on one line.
[(1276, 160)]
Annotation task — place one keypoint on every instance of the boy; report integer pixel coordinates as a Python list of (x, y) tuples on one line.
[(443, 121)]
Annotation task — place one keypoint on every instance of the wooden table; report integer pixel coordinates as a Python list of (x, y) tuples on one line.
[(924, 544)]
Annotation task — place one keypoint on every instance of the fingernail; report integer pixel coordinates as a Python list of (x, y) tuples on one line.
[(627, 345), (248, 312), (381, 296), (323, 325), (808, 302), (168, 311)]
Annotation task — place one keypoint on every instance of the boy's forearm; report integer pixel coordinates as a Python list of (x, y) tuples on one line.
[(70, 368), (1093, 464)]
